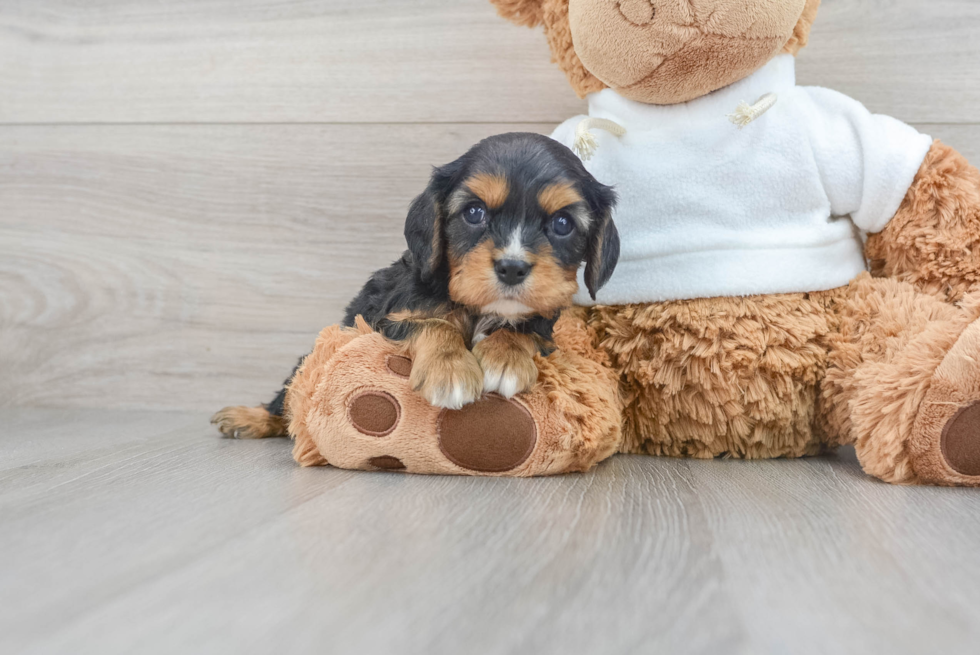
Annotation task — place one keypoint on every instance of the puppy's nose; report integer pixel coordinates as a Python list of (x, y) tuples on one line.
[(511, 271)]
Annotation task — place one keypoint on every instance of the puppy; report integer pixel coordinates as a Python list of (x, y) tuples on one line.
[(494, 246)]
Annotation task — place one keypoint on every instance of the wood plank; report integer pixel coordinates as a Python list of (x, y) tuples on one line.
[(38, 438), (367, 562), (883, 568), (420, 61), (913, 60), (189, 266), (182, 540), (264, 61)]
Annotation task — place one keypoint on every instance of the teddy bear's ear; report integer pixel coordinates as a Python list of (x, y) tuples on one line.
[(801, 33), (553, 14), (522, 12)]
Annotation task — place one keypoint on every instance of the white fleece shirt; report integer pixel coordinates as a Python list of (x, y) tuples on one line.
[(780, 206)]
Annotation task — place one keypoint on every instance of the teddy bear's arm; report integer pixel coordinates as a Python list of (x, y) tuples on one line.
[(934, 239)]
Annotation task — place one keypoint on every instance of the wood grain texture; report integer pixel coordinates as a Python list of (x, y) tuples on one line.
[(148, 533), (153, 264), (265, 61), (419, 61), (189, 266)]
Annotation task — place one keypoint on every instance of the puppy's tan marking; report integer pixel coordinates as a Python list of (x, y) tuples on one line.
[(472, 281), (418, 314), (458, 318), (550, 286), (443, 370), (558, 196), (507, 360), (491, 189), (249, 423)]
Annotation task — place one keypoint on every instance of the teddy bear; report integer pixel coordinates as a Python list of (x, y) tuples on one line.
[(796, 274)]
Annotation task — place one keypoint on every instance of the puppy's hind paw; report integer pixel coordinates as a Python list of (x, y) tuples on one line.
[(249, 423)]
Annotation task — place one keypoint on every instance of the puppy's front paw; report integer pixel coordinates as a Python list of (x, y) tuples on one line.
[(448, 379), (507, 370)]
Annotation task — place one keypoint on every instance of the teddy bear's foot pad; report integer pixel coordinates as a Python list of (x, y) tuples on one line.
[(492, 435), (386, 463), (374, 413), (961, 441), (945, 439)]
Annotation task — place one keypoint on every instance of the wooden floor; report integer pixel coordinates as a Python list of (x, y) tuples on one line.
[(124, 532)]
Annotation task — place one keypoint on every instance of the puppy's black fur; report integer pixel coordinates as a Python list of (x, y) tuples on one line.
[(510, 198)]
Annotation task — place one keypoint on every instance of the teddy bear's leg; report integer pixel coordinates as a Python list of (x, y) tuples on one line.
[(933, 241), (354, 407), (903, 383), (734, 377)]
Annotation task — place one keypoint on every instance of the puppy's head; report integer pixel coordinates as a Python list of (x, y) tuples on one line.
[(511, 221)]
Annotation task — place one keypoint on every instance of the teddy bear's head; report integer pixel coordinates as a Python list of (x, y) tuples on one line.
[(664, 51)]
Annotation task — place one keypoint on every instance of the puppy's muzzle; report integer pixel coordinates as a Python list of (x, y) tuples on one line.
[(512, 271)]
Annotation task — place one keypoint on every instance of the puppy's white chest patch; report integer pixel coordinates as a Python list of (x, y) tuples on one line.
[(507, 308)]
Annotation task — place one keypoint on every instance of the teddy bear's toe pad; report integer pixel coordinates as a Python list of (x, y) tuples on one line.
[(386, 463), (961, 440), (374, 413), (400, 366), (491, 435)]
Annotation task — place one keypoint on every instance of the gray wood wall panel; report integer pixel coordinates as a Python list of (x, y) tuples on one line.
[(266, 61), (187, 266), (190, 191), (399, 61)]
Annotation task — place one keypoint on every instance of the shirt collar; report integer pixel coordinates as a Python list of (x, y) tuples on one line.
[(775, 77)]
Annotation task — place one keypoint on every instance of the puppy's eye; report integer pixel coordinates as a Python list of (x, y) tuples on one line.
[(475, 214), (562, 225)]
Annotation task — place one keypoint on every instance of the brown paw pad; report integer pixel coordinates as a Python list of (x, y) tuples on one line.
[(374, 413), (491, 435), (386, 463), (961, 440)]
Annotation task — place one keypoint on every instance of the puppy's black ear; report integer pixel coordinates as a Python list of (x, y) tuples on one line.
[(424, 226), (601, 254), (602, 251)]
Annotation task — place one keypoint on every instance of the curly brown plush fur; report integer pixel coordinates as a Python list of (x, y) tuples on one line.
[(882, 360), (720, 376), (933, 241), (796, 374)]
